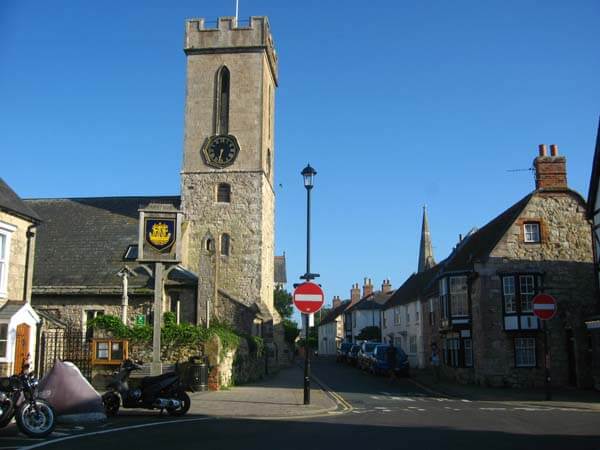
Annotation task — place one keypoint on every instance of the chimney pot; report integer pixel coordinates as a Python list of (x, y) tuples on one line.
[(550, 173), (543, 150)]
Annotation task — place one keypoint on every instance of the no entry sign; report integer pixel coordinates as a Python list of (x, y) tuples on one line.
[(544, 306), (308, 298)]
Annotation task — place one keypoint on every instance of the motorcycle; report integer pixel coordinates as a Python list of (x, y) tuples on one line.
[(164, 392), (34, 416)]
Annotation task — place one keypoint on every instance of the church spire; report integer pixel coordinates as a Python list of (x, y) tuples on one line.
[(426, 260)]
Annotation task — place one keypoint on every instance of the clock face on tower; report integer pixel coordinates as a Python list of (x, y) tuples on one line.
[(220, 151)]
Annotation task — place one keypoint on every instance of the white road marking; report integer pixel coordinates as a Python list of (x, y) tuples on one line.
[(492, 409), (403, 399), (130, 427), (464, 400)]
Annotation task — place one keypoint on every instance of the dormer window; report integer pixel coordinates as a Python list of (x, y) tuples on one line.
[(531, 232)]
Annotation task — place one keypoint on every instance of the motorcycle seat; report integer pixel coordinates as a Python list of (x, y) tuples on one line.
[(155, 379)]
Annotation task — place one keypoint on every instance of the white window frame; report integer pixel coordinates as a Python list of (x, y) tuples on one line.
[(5, 340), (412, 345), (443, 293), (509, 294), (397, 316), (531, 232), (84, 319), (459, 296), (525, 352), (6, 231), (527, 292)]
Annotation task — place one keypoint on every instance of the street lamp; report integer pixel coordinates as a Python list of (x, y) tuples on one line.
[(308, 173)]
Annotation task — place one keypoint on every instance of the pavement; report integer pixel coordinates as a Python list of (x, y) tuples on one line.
[(561, 397), (278, 396)]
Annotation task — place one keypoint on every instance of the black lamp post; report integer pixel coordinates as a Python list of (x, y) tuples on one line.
[(308, 173)]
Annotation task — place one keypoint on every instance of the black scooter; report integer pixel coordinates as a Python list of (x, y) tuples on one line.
[(164, 392)]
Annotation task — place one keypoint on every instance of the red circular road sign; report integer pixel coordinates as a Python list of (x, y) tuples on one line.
[(544, 306), (308, 298)]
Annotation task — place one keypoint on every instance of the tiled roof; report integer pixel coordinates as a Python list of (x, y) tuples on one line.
[(413, 288), (478, 245), (11, 202), (376, 300), (82, 241), (335, 312)]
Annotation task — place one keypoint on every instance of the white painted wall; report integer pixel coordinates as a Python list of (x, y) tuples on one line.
[(403, 323), (364, 318), (24, 315)]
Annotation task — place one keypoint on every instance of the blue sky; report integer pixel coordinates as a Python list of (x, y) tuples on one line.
[(395, 103)]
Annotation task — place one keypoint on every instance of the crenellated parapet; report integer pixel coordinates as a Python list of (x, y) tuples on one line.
[(229, 36)]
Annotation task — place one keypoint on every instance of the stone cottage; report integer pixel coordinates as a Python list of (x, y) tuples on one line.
[(18, 320), (483, 317)]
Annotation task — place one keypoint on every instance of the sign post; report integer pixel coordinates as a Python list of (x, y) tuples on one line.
[(308, 298), (159, 243), (544, 307)]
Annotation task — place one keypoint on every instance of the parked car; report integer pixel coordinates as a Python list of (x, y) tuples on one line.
[(365, 353), (380, 360), (342, 352), (352, 356)]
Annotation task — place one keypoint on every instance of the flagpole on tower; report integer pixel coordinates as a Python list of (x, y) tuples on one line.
[(237, 10)]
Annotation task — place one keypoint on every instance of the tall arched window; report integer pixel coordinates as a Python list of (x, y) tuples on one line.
[(269, 161), (225, 244), (224, 193), (223, 101)]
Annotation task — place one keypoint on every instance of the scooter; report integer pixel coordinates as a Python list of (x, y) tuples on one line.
[(163, 392), (34, 416)]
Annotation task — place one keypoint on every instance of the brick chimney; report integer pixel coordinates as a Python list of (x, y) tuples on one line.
[(336, 301), (367, 287), (386, 286), (550, 171), (354, 293)]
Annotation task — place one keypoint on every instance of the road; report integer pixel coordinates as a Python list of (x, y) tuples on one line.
[(384, 415)]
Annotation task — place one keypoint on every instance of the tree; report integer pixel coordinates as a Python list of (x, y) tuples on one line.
[(371, 333), (290, 330), (282, 300)]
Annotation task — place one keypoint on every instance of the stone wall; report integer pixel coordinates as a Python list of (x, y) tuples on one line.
[(564, 261), (71, 308), (17, 257)]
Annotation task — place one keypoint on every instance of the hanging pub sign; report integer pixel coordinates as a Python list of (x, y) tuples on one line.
[(159, 233)]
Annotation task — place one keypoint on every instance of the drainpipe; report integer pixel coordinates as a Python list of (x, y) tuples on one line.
[(28, 278)]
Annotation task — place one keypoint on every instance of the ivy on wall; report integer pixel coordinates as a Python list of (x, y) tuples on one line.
[(174, 335)]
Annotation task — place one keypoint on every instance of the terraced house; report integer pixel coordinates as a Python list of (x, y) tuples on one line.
[(483, 319)]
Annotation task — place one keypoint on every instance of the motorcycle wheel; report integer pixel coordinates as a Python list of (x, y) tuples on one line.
[(111, 403), (186, 402), (36, 419)]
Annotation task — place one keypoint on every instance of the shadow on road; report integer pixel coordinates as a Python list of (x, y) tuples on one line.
[(258, 434)]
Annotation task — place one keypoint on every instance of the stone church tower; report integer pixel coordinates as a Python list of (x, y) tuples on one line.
[(227, 194)]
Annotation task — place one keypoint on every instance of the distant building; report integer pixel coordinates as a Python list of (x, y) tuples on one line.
[(402, 314), (367, 310), (331, 328), (18, 320), (483, 319)]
